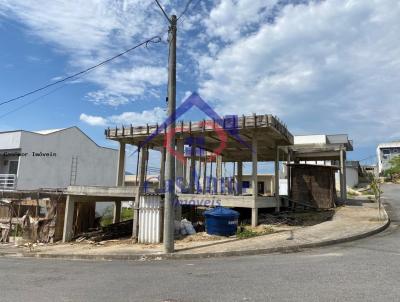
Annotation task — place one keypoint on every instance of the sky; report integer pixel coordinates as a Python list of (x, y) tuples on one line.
[(321, 66)]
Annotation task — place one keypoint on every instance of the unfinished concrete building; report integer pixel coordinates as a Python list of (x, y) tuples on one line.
[(199, 175)]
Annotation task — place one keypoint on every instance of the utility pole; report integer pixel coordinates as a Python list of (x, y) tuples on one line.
[(170, 159)]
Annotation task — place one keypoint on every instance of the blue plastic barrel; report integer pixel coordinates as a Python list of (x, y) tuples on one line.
[(221, 221)]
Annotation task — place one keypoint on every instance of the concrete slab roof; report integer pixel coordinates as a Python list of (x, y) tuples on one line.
[(237, 133), (320, 147)]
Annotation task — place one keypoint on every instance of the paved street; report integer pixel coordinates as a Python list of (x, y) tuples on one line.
[(364, 270)]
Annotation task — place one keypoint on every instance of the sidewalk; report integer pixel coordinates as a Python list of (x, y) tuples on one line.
[(355, 221)]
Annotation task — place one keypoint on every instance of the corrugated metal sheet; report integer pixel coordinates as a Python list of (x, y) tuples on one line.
[(150, 219)]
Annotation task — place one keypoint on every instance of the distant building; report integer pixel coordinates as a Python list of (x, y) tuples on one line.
[(54, 159), (385, 152)]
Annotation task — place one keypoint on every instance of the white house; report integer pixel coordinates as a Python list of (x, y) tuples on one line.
[(385, 152), (54, 159)]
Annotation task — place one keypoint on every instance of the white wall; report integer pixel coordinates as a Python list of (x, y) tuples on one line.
[(310, 139), (351, 178), (10, 140), (268, 180), (96, 165)]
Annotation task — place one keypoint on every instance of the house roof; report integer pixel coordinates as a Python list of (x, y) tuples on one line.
[(52, 131), (48, 131)]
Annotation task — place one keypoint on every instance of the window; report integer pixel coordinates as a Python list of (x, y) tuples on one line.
[(245, 184), (13, 167)]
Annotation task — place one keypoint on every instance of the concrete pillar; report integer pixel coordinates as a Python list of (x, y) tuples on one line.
[(120, 180), (161, 185), (121, 165), (278, 201), (180, 166), (69, 219), (205, 173), (288, 171), (211, 179), (117, 212), (219, 173), (239, 178), (254, 180), (142, 171), (192, 168), (343, 183)]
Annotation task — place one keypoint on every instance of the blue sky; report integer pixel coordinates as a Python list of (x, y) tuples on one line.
[(320, 66)]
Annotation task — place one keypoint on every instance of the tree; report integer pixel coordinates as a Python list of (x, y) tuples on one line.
[(394, 170)]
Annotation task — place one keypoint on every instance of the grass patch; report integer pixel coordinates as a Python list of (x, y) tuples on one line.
[(126, 214), (246, 232)]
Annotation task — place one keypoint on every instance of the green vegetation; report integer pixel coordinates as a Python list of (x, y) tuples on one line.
[(17, 231), (376, 189), (126, 214), (244, 232), (394, 171)]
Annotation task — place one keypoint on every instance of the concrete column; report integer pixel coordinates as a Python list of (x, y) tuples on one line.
[(69, 219), (120, 180), (239, 177), (192, 168), (254, 180), (211, 179), (288, 172), (278, 201), (121, 165), (117, 212), (142, 171), (343, 183), (180, 172), (161, 185), (219, 173), (205, 173), (185, 172)]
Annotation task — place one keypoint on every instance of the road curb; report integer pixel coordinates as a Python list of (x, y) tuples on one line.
[(177, 256)]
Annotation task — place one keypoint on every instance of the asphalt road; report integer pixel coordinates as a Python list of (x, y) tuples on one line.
[(364, 270)]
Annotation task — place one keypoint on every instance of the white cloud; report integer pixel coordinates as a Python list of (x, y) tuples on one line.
[(93, 120), (156, 115), (329, 66), (89, 31), (107, 98), (325, 66), (230, 19)]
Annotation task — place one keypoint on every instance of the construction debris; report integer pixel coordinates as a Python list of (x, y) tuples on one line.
[(270, 219), (111, 231)]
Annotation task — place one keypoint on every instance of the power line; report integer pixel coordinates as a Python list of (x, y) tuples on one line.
[(40, 97), (185, 10), (155, 39), (187, 7), (163, 11), (32, 101)]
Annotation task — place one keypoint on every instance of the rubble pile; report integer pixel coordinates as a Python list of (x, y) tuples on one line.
[(111, 231), (270, 219)]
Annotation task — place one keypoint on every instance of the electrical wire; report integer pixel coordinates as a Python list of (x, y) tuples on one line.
[(42, 96), (155, 39), (185, 10), (32, 101), (163, 11)]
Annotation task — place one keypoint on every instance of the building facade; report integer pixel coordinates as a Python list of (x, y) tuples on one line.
[(53, 159), (385, 153)]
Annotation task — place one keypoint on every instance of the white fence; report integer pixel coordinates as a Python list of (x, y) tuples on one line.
[(8, 181), (150, 219)]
